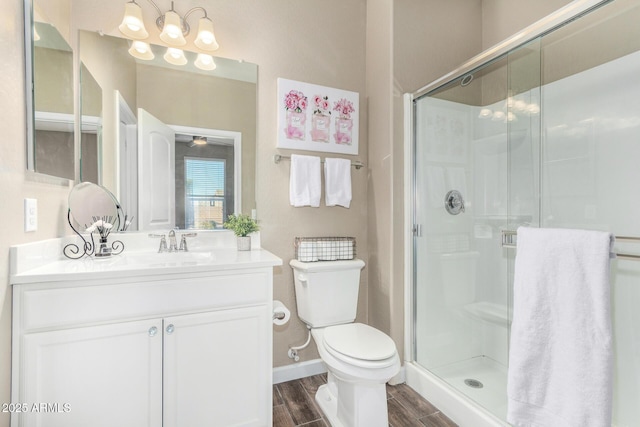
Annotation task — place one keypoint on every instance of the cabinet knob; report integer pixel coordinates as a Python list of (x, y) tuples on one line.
[(153, 331), (170, 329)]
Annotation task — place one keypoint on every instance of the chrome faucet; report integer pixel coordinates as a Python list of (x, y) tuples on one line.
[(163, 242), (173, 244), (183, 241)]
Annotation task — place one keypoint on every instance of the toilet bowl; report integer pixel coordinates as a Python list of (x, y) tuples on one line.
[(359, 358)]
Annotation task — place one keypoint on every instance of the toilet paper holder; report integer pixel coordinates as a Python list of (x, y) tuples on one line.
[(280, 313)]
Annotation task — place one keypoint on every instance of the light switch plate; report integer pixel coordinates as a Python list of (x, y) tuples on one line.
[(30, 214)]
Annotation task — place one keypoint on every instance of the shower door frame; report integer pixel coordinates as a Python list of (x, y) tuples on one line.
[(458, 407)]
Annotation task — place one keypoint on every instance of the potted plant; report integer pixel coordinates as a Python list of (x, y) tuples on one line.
[(242, 226)]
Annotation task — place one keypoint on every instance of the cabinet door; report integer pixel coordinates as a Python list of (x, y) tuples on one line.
[(217, 369), (108, 375)]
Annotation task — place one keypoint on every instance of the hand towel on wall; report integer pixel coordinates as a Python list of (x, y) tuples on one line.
[(337, 182), (561, 357), (304, 181)]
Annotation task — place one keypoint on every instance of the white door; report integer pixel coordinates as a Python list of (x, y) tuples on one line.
[(217, 369), (156, 173), (100, 376), (127, 164)]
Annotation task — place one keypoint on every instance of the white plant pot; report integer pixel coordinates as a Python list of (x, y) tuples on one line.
[(244, 243)]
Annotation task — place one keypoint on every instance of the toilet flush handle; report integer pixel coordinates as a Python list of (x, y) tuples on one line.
[(302, 278)]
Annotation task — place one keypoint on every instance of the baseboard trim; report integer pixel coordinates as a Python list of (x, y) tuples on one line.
[(299, 370), (400, 378)]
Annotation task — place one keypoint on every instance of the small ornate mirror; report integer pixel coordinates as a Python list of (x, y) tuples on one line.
[(93, 208)]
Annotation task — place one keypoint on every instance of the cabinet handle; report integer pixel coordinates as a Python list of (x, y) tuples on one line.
[(153, 331), (170, 329)]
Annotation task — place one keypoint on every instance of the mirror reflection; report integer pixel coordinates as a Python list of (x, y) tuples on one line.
[(178, 142), (52, 148), (90, 126)]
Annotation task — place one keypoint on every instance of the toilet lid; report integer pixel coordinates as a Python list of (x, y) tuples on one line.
[(359, 341)]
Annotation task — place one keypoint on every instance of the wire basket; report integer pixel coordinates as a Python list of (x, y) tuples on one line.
[(312, 249)]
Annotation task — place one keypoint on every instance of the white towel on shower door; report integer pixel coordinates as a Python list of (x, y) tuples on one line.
[(560, 356)]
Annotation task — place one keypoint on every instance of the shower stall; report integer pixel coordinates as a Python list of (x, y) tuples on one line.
[(543, 131)]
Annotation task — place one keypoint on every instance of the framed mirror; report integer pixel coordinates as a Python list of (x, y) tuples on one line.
[(49, 82), (177, 142)]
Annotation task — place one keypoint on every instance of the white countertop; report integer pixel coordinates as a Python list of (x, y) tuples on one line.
[(30, 266)]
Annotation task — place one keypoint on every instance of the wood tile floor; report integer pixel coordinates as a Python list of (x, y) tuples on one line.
[(294, 405)]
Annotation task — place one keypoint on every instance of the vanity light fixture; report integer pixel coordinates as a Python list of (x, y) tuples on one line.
[(175, 56), (132, 24), (205, 62), (174, 28), (141, 50)]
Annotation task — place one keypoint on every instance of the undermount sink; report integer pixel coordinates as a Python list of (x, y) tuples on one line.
[(155, 258)]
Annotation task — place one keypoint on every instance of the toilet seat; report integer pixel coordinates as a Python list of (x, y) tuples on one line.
[(360, 345)]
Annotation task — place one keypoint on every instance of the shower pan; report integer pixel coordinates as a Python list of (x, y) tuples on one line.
[(545, 133)]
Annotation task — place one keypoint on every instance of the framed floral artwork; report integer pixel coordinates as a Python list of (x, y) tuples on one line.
[(317, 118)]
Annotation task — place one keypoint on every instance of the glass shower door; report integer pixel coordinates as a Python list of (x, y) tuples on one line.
[(475, 177)]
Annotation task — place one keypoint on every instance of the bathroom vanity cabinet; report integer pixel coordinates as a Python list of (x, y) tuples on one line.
[(165, 348)]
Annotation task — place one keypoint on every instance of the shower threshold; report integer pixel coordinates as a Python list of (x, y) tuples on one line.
[(466, 375)]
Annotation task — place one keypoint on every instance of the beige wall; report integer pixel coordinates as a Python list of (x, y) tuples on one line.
[(317, 42), (15, 182), (380, 161), (502, 18), (429, 39)]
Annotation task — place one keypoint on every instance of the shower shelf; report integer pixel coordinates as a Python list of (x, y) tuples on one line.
[(490, 312), (502, 219)]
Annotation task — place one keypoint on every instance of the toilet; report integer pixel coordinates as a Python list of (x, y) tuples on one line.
[(359, 358)]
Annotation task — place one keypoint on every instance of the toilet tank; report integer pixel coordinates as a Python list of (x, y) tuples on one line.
[(327, 291)]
